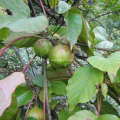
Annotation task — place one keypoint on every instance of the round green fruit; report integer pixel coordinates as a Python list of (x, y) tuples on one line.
[(61, 56), (35, 113), (42, 47)]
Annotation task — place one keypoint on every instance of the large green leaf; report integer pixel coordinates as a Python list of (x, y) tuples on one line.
[(74, 24), (82, 86), (83, 115), (58, 87), (19, 21), (23, 94), (108, 117), (110, 64), (29, 25), (17, 7)]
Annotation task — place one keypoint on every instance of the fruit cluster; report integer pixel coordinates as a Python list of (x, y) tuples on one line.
[(59, 55)]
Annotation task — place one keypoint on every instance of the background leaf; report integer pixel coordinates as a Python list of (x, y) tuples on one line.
[(108, 117), (24, 95)]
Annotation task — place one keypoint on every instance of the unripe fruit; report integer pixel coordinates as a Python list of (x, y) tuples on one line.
[(61, 56), (36, 113), (42, 47)]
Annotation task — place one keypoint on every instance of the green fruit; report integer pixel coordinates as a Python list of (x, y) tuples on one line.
[(35, 113), (61, 56), (42, 47)]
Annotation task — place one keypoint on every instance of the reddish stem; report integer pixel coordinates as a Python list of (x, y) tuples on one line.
[(99, 105), (13, 41), (44, 104), (43, 7), (28, 107), (26, 67)]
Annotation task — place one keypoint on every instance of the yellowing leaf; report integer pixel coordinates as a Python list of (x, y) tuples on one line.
[(7, 87)]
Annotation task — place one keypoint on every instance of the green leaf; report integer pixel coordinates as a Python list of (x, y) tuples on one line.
[(25, 42), (86, 38), (38, 80), (110, 64), (27, 25), (74, 24), (117, 78), (30, 25), (17, 7), (108, 117), (65, 113), (58, 87), (107, 108), (83, 80), (52, 3), (5, 21), (24, 95), (4, 32), (83, 115), (104, 89)]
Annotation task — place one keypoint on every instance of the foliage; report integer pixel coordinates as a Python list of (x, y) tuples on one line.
[(77, 66)]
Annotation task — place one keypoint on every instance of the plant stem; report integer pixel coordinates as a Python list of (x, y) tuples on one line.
[(24, 70), (46, 100), (28, 107), (43, 7), (13, 41)]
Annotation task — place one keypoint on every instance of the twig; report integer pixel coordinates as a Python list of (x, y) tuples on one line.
[(47, 11), (43, 7), (32, 8), (28, 107), (103, 49), (13, 41), (46, 101), (24, 70), (93, 19)]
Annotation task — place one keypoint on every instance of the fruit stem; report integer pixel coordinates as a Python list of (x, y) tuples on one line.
[(26, 67), (13, 41), (46, 100)]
